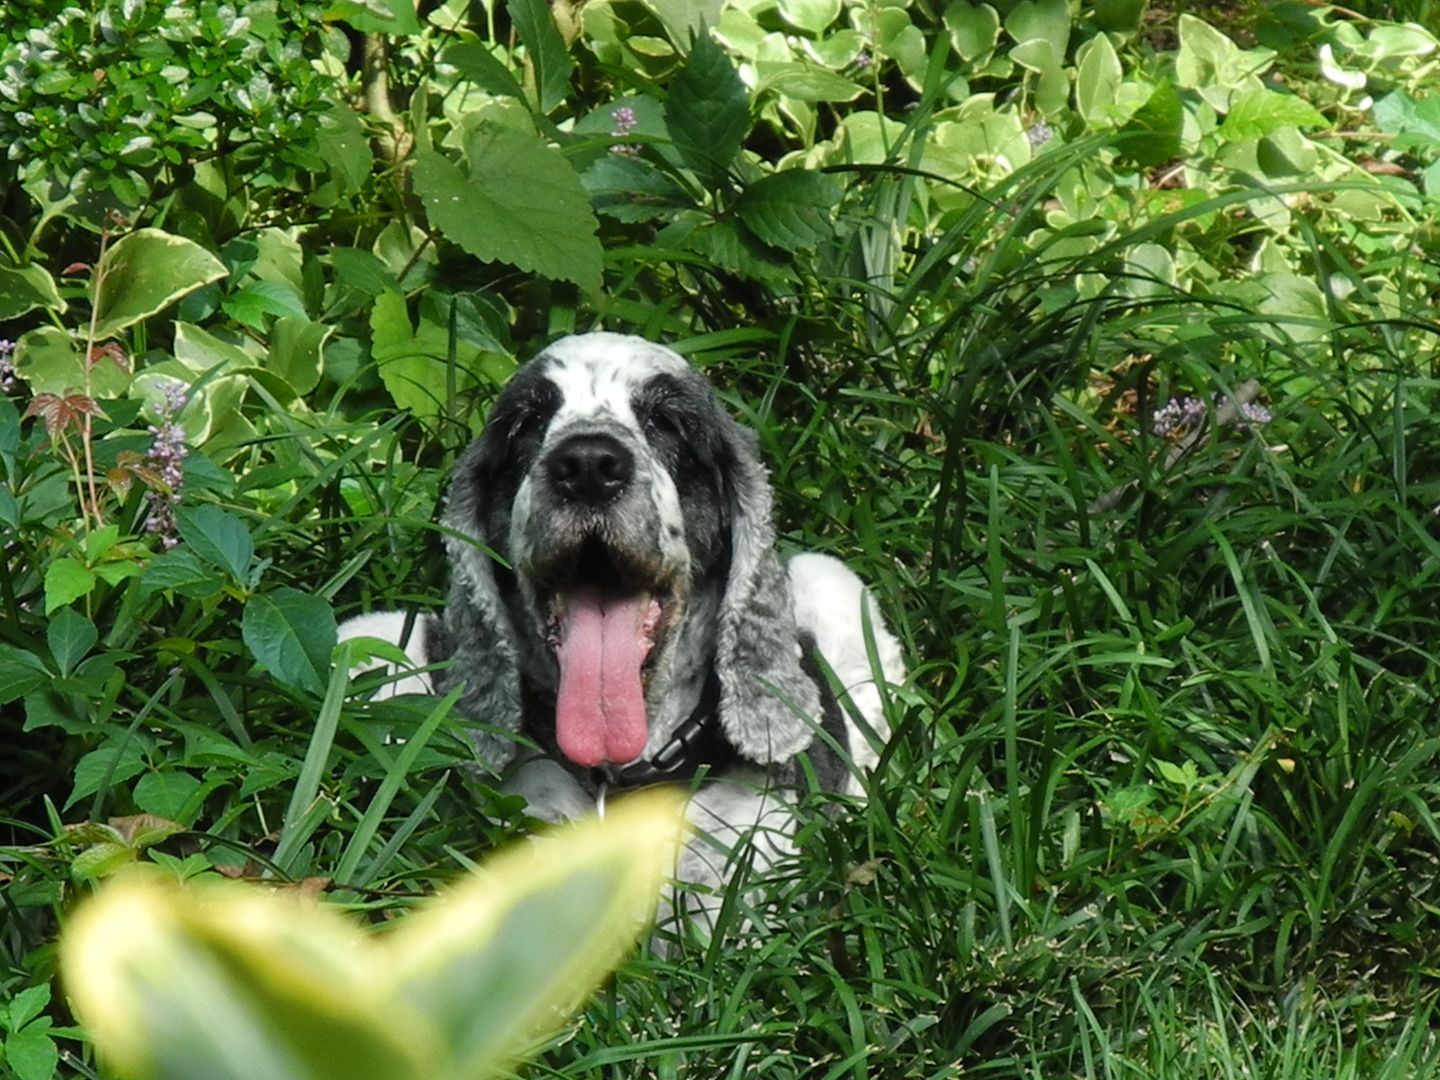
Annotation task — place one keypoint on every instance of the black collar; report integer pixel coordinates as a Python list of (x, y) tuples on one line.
[(697, 742)]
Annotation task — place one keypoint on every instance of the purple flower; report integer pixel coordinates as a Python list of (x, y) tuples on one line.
[(625, 122), (166, 462), (1181, 415), (1038, 134), (7, 365)]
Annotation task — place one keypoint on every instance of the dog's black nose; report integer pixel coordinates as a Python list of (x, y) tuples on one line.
[(590, 468)]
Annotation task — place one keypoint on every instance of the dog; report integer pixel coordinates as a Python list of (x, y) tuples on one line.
[(618, 614)]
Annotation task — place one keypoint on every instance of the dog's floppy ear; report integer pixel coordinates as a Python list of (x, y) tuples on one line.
[(765, 696), (478, 627)]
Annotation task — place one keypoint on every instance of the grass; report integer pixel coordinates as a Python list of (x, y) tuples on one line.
[(1160, 799)]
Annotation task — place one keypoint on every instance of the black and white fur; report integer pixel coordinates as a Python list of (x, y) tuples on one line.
[(669, 496)]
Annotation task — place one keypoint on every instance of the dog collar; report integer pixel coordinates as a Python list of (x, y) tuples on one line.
[(697, 742)]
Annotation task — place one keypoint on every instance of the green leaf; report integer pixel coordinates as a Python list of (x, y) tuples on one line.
[(478, 64), (376, 16), (814, 16), (522, 204), (1097, 78), (218, 537), (297, 352), (974, 29), (545, 49), (66, 580), (805, 81), (708, 112), (362, 270), (27, 1004), (20, 672), (165, 794), (1152, 137), (115, 762), (49, 361), (251, 304), (70, 636), (792, 210), (24, 288), (180, 571), (414, 363), (1119, 16), (1417, 123), (1041, 20), (343, 144), (31, 1053), (1256, 113), (144, 273), (632, 189), (292, 634)]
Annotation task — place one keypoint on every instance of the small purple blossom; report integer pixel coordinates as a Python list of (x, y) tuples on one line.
[(625, 122), (166, 460), (7, 365), (1181, 415), (1038, 134)]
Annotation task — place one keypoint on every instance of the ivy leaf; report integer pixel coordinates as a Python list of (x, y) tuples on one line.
[(545, 48), (292, 634), (708, 112), (522, 204), (145, 272), (791, 209)]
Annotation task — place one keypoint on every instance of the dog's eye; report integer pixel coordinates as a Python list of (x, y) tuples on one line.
[(661, 421), (523, 423)]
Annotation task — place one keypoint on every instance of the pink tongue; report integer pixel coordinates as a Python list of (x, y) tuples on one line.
[(600, 710)]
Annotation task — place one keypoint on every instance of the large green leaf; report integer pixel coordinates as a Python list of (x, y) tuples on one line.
[(144, 273), (478, 64), (219, 538), (231, 983), (1255, 113), (24, 288), (792, 210), (708, 112), (292, 633), (545, 48), (522, 204), (295, 352)]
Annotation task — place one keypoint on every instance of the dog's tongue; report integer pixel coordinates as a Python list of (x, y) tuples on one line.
[(600, 710)]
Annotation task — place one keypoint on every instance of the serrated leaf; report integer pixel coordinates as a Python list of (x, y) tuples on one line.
[(70, 636), (31, 1053), (792, 210), (114, 763), (291, 633), (414, 363), (165, 794), (258, 299), (522, 204), (483, 68), (632, 189), (182, 572), (545, 48), (1256, 113), (218, 537), (708, 112), (343, 144), (1152, 137), (66, 580), (145, 272), (28, 1004), (20, 672)]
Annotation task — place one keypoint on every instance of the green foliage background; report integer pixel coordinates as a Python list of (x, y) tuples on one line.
[(1161, 799)]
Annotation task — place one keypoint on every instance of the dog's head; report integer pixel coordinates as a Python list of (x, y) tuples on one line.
[(634, 516)]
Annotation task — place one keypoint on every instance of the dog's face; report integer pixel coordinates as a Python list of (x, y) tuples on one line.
[(604, 478)]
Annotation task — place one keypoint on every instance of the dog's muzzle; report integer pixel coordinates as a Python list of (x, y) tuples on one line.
[(590, 468)]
